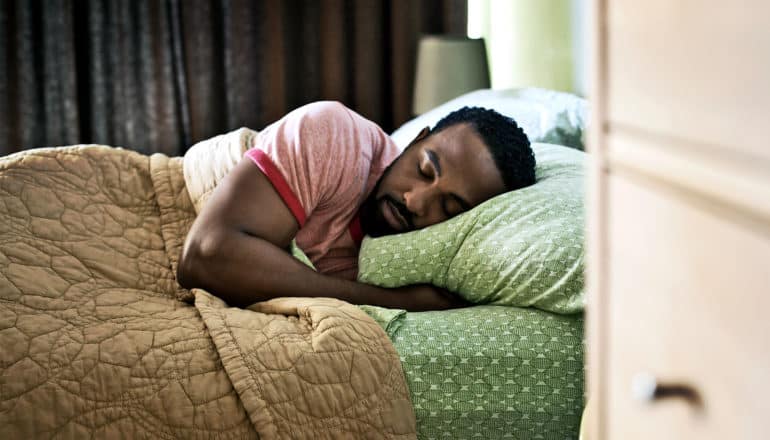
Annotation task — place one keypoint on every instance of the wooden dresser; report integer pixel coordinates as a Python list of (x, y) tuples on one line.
[(679, 221)]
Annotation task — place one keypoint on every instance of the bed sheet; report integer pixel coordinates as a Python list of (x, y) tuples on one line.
[(491, 371)]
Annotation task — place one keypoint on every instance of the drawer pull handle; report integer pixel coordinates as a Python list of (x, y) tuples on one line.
[(647, 388)]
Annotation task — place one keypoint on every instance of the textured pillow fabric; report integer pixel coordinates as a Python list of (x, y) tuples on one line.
[(522, 248), (544, 115)]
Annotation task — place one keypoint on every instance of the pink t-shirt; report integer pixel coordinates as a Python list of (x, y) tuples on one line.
[(324, 160)]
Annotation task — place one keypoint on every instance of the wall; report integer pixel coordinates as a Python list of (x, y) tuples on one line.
[(539, 43)]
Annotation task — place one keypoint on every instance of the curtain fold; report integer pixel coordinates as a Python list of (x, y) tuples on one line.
[(160, 75)]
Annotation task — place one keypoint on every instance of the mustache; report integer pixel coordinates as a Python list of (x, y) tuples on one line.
[(403, 210)]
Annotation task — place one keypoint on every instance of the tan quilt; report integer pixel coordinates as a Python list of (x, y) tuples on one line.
[(95, 342)]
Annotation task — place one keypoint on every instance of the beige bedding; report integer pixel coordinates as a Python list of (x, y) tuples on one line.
[(94, 340)]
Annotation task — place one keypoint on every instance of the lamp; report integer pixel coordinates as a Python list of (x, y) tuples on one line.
[(447, 67)]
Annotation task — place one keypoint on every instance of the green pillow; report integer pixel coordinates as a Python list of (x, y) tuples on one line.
[(522, 248)]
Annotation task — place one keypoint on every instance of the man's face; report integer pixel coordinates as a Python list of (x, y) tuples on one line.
[(435, 178)]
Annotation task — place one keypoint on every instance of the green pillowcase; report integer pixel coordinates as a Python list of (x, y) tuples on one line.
[(522, 248)]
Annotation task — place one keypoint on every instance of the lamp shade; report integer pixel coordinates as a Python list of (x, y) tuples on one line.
[(447, 67)]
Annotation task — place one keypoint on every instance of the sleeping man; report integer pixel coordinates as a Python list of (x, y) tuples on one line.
[(325, 176)]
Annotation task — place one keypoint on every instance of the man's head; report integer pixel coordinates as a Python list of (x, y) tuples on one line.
[(470, 156)]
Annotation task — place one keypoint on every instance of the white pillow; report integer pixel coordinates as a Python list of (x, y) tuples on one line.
[(544, 115)]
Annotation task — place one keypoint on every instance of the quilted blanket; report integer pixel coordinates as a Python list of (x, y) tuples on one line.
[(95, 342)]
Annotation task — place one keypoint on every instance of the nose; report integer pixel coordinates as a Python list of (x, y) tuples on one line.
[(420, 199)]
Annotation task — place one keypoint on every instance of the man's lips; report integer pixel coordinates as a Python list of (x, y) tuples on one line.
[(393, 216)]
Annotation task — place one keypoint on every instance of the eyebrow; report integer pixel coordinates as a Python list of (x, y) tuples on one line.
[(437, 165)]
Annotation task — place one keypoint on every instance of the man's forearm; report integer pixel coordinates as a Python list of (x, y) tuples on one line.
[(248, 269)]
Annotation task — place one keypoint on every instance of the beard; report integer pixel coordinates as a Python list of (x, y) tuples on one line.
[(373, 223)]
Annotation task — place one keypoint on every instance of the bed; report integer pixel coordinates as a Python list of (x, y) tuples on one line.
[(497, 371), (99, 340)]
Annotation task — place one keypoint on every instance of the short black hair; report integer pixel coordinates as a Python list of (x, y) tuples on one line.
[(506, 141)]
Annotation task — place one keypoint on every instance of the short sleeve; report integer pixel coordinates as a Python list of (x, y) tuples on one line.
[(304, 153)]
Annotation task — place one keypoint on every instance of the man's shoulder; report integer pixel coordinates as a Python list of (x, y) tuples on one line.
[(334, 114), (326, 111), (329, 133)]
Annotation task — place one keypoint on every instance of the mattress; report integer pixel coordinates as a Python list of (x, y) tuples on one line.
[(491, 371)]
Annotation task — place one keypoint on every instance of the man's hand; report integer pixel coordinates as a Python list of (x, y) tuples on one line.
[(422, 297)]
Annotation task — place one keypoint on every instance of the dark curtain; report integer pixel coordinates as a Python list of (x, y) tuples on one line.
[(160, 75)]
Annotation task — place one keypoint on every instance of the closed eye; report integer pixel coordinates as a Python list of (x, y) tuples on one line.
[(452, 207), (436, 166), (455, 202), (423, 173)]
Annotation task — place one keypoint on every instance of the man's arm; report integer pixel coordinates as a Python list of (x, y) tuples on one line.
[(235, 249)]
